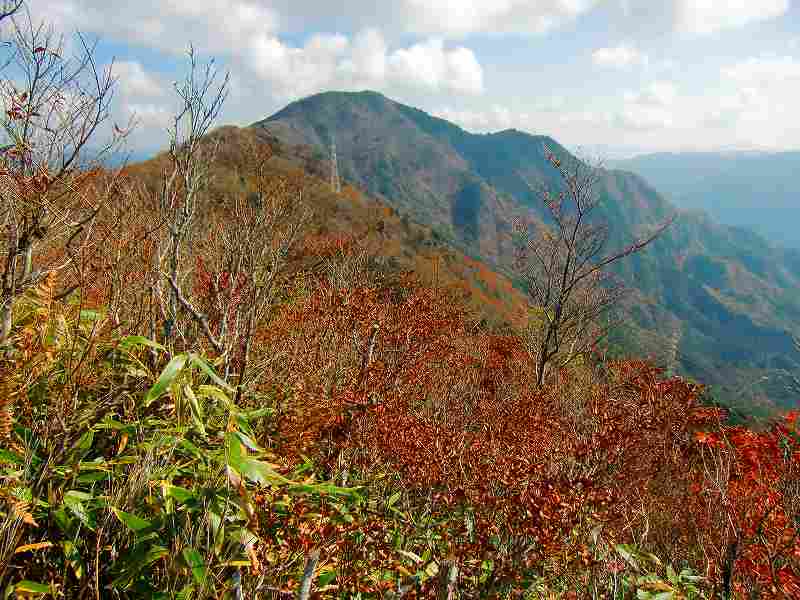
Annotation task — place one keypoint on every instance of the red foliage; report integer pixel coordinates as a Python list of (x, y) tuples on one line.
[(452, 414)]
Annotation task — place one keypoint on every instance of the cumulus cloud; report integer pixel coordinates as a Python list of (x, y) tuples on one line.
[(429, 64), (710, 16), (134, 81), (168, 25), (171, 24), (367, 60), (336, 61), (247, 33), (424, 53), (621, 56), (459, 17)]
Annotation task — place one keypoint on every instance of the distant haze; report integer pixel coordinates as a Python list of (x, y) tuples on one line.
[(758, 190)]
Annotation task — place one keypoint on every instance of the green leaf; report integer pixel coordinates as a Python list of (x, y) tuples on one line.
[(325, 577), (92, 477), (31, 587), (131, 564), (72, 500), (204, 391), (197, 410), (324, 488), (393, 499), (254, 470), (138, 340), (687, 575), (233, 450), (78, 495), (260, 472), (247, 442), (131, 521), (84, 444), (10, 457), (191, 448), (62, 520), (180, 494), (673, 578), (184, 594), (73, 558), (196, 564), (259, 413), (206, 368), (167, 377)]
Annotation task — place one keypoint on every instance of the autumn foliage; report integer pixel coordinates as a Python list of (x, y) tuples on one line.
[(325, 421)]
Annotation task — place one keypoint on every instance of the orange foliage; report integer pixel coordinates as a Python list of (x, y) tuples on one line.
[(453, 414)]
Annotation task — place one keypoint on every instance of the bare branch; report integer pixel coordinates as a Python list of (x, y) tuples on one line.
[(563, 267)]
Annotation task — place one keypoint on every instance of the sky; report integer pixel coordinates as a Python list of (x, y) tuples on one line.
[(611, 77)]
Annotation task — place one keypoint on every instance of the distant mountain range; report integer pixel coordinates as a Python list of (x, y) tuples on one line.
[(746, 189), (725, 298)]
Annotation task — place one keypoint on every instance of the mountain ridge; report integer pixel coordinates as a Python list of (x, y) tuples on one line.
[(727, 296)]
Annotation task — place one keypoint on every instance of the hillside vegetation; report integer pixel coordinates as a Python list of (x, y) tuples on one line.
[(218, 379), (380, 443), (715, 303)]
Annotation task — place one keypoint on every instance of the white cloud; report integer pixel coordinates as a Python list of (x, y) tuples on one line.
[(542, 117), (150, 116), (247, 32), (621, 56), (768, 70), (368, 57), (171, 24), (656, 93), (335, 62), (275, 56), (494, 118), (652, 107), (758, 98), (460, 17), (644, 118), (135, 82), (659, 93), (168, 25), (431, 66), (710, 16)]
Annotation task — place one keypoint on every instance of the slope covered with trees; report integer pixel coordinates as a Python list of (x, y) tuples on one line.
[(713, 302), (218, 384)]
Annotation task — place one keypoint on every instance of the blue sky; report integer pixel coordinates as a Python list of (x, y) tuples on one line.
[(613, 76)]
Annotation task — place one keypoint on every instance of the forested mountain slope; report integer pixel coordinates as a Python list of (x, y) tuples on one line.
[(722, 296)]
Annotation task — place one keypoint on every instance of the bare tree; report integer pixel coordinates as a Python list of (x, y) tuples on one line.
[(563, 268), (53, 106), (187, 174), (243, 249), (239, 241)]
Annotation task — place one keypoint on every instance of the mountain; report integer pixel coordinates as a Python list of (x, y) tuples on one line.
[(724, 297), (746, 189)]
